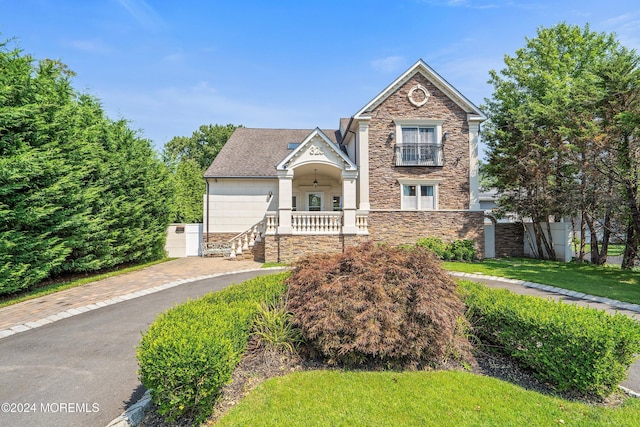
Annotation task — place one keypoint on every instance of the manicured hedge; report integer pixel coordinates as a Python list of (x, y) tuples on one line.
[(458, 250), (571, 347), (189, 352)]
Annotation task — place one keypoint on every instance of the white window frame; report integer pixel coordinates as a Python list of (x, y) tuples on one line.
[(294, 202), (418, 183), (435, 124), (420, 123)]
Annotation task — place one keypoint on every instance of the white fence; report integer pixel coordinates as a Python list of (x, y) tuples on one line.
[(561, 234), (183, 240)]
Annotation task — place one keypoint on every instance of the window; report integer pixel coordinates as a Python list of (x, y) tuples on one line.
[(294, 203), (419, 196), (417, 135), (315, 201), (336, 203), (419, 142)]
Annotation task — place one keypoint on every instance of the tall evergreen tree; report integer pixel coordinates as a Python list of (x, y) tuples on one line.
[(189, 157), (78, 192)]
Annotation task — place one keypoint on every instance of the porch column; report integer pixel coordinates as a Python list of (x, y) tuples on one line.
[(474, 184), (363, 165), (285, 180), (349, 187)]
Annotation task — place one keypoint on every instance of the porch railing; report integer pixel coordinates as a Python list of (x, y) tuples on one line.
[(316, 222), (361, 224), (247, 239)]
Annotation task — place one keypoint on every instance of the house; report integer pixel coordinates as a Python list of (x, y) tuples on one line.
[(402, 167)]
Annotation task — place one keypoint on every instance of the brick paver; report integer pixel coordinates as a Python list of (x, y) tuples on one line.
[(39, 311)]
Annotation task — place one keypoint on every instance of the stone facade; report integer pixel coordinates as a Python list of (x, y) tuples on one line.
[(218, 237), (384, 188), (406, 227), (509, 239), (417, 98), (290, 248)]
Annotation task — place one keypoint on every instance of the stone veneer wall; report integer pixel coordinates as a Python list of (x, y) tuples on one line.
[(509, 238), (384, 188), (290, 248), (218, 237), (406, 227), (393, 227)]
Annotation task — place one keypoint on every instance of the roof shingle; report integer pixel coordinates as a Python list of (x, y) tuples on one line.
[(252, 152)]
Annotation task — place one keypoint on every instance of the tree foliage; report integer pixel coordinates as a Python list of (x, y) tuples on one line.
[(78, 192), (379, 306), (189, 157), (557, 129)]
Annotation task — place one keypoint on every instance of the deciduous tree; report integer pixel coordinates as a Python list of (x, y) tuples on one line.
[(546, 131)]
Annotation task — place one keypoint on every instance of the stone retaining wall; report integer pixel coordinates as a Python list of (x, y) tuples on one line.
[(406, 227), (218, 237), (393, 227), (290, 248)]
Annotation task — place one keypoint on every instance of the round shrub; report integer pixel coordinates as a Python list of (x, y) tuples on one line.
[(190, 351), (378, 305)]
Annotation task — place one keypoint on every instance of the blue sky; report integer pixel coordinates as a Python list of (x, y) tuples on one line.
[(170, 66)]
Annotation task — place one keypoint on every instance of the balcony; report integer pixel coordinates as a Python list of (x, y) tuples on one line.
[(419, 154)]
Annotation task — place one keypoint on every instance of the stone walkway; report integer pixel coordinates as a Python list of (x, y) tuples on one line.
[(50, 308)]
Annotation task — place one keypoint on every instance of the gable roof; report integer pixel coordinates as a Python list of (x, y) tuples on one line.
[(252, 152), (435, 78), (298, 153)]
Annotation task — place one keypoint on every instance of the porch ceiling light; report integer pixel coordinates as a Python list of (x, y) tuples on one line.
[(315, 178)]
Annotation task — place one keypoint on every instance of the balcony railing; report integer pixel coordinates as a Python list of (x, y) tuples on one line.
[(416, 154)]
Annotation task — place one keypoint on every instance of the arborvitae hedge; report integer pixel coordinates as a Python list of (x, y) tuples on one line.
[(78, 192)]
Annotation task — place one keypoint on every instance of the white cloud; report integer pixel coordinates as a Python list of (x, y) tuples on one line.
[(627, 29), (390, 64), (173, 57), (143, 13)]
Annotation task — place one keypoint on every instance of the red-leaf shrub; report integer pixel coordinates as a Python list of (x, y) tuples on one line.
[(378, 305)]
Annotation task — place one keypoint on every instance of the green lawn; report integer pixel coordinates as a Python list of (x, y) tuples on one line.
[(437, 398), (610, 282), (61, 285), (613, 250)]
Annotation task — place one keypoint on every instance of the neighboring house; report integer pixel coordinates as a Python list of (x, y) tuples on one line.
[(403, 167)]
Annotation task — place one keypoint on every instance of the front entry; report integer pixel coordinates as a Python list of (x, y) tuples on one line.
[(315, 201)]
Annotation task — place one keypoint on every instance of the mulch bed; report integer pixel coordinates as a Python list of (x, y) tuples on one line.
[(257, 365)]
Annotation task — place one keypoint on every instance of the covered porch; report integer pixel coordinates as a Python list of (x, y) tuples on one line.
[(316, 198), (317, 192), (312, 203)]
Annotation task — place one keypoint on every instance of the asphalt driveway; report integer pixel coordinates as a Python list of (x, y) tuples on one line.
[(81, 371)]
